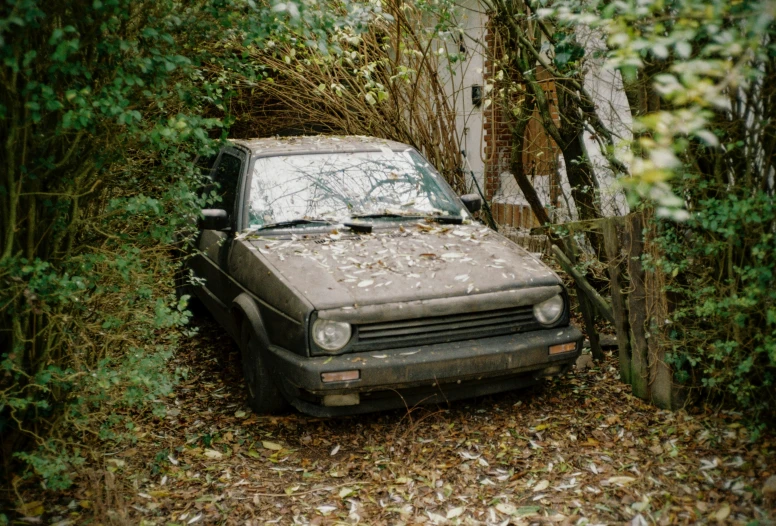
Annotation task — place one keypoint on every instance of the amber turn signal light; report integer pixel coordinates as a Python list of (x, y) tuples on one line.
[(340, 376), (563, 347)]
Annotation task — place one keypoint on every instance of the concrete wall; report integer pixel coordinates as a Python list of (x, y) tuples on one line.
[(459, 79)]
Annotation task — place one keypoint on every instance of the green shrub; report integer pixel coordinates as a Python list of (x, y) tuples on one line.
[(721, 274), (104, 106), (700, 80)]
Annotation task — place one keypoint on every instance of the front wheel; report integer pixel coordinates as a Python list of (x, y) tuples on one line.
[(263, 395)]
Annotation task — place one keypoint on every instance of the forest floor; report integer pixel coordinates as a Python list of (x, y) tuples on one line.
[(579, 450)]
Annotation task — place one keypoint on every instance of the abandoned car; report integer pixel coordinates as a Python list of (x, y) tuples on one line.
[(354, 279)]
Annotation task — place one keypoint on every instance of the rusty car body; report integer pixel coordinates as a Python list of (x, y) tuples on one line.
[(354, 280)]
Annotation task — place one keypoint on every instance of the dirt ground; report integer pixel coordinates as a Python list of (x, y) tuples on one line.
[(579, 450)]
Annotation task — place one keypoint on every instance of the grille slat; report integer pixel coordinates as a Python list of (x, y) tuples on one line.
[(440, 327), (443, 329), (438, 320)]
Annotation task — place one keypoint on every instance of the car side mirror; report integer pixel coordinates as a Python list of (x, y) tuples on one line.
[(472, 202), (214, 219)]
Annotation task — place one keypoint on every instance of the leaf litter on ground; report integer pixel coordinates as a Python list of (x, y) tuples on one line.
[(579, 450)]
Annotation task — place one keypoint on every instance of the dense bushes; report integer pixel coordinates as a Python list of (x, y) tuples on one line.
[(98, 127), (721, 269), (700, 78), (101, 115), (104, 104)]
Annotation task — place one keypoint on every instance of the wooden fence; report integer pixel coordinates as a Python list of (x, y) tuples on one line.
[(638, 306)]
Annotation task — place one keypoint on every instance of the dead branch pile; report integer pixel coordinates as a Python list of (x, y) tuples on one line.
[(384, 82)]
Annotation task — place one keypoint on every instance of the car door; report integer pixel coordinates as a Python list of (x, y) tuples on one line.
[(218, 289)]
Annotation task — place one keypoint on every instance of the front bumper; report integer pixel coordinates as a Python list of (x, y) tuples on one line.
[(428, 373)]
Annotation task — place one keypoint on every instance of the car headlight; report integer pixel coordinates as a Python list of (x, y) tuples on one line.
[(549, 311), (331, 335)]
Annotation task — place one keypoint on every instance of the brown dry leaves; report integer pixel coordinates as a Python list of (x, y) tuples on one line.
[(580, 451)]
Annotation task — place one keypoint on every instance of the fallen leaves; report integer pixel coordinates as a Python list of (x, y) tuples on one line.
[(506, 508), (722, 513), (116, 462), (346, 492), (512, 458), (31, 509), (455, 512), (622, 481), (769, 488), (541, 486)]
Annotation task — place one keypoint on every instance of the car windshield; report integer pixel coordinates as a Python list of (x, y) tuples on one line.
[(341, 186)]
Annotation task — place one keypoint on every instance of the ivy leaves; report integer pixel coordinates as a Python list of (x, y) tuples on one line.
[(567, 50)]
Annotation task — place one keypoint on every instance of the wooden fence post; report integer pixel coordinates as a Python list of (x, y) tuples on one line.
[(619, 302), (661, 377), (637, 310)]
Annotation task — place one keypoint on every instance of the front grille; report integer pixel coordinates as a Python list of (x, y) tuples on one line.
[(443, 329)]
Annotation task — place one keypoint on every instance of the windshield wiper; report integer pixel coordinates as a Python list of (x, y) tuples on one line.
[(450, 220), (453, 220), (389, 215), (296, 222)]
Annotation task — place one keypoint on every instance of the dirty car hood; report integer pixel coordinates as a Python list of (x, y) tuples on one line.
[(415, 262)]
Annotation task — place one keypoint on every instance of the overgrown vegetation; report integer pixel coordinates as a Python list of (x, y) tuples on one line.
[(102, 108), (524, 80), (714, 67), (387, 81), (699, 77), (105, 104)]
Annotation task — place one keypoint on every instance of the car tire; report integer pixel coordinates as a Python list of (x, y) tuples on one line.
[(264, 397)]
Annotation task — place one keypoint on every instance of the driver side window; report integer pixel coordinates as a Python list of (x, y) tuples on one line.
[(226, 176)]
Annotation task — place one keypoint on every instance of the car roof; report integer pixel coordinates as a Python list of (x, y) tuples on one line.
[(317, 143)]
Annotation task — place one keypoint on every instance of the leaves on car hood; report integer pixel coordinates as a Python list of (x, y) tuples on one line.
[(402, 265)]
